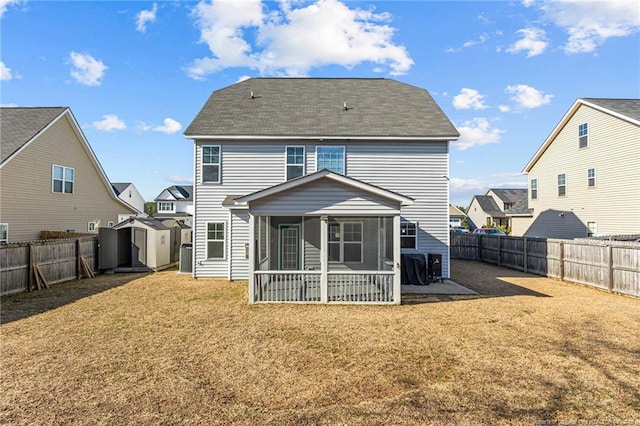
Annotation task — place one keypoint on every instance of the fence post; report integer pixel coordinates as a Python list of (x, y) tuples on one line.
[(30, 267), (78, 267), (610, 255), (561, 261), (499, 250), (524, 254), (479, 240)]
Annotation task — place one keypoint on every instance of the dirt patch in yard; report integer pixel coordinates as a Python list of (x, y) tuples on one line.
[(165, 348)]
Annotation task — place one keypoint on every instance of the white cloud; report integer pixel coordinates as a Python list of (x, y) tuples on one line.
[(5, 72), (86, 69), (169, 127), (110, 122), (144, 17), (477, 132), (181, 179), (470, 43), (504, 108), (464, 185), (527, 96), (6, 3), (533, 42), (292, 40), (590, 23), (243, 78), (469, 99)]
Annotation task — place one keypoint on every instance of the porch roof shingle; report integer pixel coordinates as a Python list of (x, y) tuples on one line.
[(321, 107)]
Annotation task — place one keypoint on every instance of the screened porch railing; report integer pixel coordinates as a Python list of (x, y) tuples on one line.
[(342, 286)]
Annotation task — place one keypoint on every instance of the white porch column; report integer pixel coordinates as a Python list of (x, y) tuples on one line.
[(324, 264), (252, 251), (397, 289)]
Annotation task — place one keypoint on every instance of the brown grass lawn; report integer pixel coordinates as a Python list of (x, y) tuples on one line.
[(167, 349)]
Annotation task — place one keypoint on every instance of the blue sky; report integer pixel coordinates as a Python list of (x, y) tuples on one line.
[(136, 73)]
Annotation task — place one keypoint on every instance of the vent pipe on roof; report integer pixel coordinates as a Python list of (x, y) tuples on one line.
[(345, 106), (252, 97)]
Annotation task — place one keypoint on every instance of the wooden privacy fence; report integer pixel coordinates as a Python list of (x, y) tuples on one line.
[(24, 266), (609, 265)]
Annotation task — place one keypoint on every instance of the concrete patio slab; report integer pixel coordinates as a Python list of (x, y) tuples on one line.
[(446, 287)]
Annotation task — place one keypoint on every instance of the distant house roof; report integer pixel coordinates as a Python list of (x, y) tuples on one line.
[(454, 211), (21, 125), (321, 107), (625, 109), (520, 208), (177, 193), (509, 195), (488, 205), (148, 221), (119, 187)]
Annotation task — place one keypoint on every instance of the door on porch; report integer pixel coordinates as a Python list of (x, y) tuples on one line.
[(289, 243)]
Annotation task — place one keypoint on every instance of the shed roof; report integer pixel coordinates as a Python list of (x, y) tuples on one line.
[(321, 107)]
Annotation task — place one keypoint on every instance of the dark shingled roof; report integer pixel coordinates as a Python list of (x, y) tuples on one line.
[(521, 207), (119, 187), (19, 125), (626, 107), (509, 195), (313, 107), (488, 205), (179, 192)]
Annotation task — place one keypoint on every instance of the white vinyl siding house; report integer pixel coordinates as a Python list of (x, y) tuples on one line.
[(298, 198), (596, 148)]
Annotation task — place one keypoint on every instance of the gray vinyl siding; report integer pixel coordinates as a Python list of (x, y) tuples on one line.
[(240, 236), (614, 151), (414, 169)]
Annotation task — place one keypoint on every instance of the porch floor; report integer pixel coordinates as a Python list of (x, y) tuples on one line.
[(446, 287)]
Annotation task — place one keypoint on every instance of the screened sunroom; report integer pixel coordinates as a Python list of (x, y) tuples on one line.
[(324, 238)]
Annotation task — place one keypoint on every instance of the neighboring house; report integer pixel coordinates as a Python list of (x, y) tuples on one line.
[(456, 216), (492, 208), (50, 178), (175, 202), (312, 188), (585, 178), (128, 193)]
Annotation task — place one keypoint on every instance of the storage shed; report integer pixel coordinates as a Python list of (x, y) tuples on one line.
[(142, 242)]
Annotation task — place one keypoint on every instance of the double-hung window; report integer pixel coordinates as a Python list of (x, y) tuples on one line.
[(62, 179), (215, 240), (330, 158), (592, 229), (211, 163), (4, 233), (91, 226), (591, 178), (408, 235), (295, 162), (345, 242), (583, 135), (562, 185), (534, 189), (165, 206)]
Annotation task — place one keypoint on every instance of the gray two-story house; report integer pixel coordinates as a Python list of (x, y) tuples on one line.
[(311, 188)]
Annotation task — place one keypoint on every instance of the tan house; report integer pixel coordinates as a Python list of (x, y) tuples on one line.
[(492, 208), (585, 178), (50, 179)]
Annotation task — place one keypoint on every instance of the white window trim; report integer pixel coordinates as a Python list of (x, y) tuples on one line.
[(595, 174), (202, 164), (531, 188), (558, 185), (110, 224), (415, 237), (286, 160), (344, 156), (171, 210), (587, 135), (6, 227), (267, 234), (91, 227), (595, 226), (341, 242), (224, 240), (64, 168)]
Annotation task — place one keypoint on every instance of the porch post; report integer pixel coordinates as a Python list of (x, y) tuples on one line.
[(324, 247), (252, 243), (397, 289)]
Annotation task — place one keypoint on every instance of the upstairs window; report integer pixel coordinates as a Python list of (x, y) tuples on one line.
[(4, 233), (63, 178), (534, 189), (211, 163), (408, 235), (165, 206), (562, 185), (295, 162), (591, 178), (583, 136), (330, 158)]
